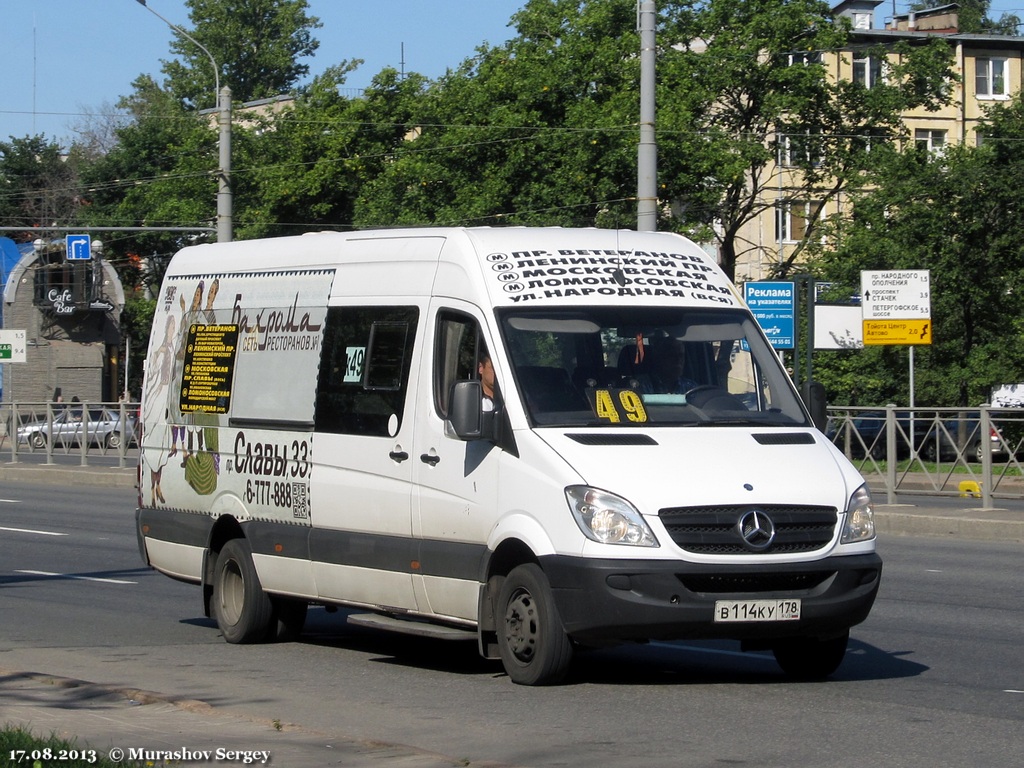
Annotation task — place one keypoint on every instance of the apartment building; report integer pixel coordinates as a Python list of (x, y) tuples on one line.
[(989, 69)]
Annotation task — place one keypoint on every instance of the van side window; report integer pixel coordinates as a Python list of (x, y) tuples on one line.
[(364, 369), (455, 355)]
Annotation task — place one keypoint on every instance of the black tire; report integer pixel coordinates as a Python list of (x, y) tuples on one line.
[(242, 609), (534, 647), (113, 440), (808, 658), (288, 619), (37, 440), (977, 452)]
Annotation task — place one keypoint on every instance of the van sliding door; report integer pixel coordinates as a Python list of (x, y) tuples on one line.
[(361, 542)]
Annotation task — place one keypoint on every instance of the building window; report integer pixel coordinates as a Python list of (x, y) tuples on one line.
[(867, 70), (792, 220), (804, 57), (990, 78), (930, 139), (800, 149)]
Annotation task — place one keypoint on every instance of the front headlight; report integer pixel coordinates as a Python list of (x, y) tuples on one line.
[(860, 517), (607, 518)]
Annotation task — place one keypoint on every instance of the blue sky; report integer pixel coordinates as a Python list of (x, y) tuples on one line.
[(60, 59)]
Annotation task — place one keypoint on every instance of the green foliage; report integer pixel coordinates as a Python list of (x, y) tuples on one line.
[(543, 130), (257, 45), (136, 321), (39, 184), (955, 216), (538, 131), (741, 82)]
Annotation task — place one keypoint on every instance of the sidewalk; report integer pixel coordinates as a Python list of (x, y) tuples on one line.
[(159, 731)]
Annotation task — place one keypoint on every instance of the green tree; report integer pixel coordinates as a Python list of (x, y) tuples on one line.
[(161, 173), (314, 159), (541, 130), (257, 44), (955, 216), (742, 83), (39, 185)]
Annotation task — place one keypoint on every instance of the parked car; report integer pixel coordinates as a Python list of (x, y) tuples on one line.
[(103, 427), (866, 434), (941, 442)]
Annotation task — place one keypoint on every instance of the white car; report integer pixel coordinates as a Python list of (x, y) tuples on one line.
[(103, 427)]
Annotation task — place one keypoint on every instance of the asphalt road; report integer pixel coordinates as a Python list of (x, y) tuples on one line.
[(932, 678)]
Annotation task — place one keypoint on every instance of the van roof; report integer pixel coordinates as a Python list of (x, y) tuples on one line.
[(514, 265)]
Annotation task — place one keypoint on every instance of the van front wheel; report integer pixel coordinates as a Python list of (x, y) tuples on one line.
[(534, 647), (242, 609)]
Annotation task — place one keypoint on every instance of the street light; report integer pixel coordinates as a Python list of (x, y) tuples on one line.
[(647, 153), (224, 201)]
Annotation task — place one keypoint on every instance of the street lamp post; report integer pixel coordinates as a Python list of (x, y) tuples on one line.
[(223, 95), (647, 153)]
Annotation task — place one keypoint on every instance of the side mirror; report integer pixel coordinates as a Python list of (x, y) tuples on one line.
[(813, 394), (465, 413)]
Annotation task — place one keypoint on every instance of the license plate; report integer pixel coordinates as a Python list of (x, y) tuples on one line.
[(756, 610)]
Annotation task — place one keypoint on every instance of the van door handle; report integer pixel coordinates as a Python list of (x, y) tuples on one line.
[(398, 456), (426, 458)]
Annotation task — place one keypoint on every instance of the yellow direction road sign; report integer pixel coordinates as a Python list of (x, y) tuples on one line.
[(897, 332)]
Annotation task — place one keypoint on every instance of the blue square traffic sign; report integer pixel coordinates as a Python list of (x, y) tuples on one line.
[(79, 247)]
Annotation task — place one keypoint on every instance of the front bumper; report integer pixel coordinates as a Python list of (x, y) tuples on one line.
[(602, 601)]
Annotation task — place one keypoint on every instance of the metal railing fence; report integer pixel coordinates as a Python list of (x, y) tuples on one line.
[(939, 451), (71, 429), (942, 451)]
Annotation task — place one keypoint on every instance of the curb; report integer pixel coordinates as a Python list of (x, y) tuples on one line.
[(58, 474), (975, 525)]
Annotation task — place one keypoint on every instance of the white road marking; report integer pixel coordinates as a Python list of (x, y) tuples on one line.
[(30, 530), (77, 577), (10, 501)]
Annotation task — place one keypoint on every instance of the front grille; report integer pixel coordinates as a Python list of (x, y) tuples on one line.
[(750, 583), (713, 530)]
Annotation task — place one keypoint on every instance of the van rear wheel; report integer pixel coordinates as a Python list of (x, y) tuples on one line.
[(242, 609), (534, 647), (808, 658)]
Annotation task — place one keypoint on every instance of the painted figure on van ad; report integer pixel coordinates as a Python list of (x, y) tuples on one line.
[(195, 435)]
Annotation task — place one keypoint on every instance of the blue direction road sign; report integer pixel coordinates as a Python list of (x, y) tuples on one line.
[(774, 308), (79, 247)]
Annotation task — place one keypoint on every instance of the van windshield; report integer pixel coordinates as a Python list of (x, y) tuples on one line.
[(644, 366)]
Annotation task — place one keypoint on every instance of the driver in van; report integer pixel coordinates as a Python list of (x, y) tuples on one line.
[(486, 370), (666, 363)]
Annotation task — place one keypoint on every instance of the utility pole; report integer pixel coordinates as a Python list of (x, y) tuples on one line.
[(225, 204), (647, 154), (222, 96)]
